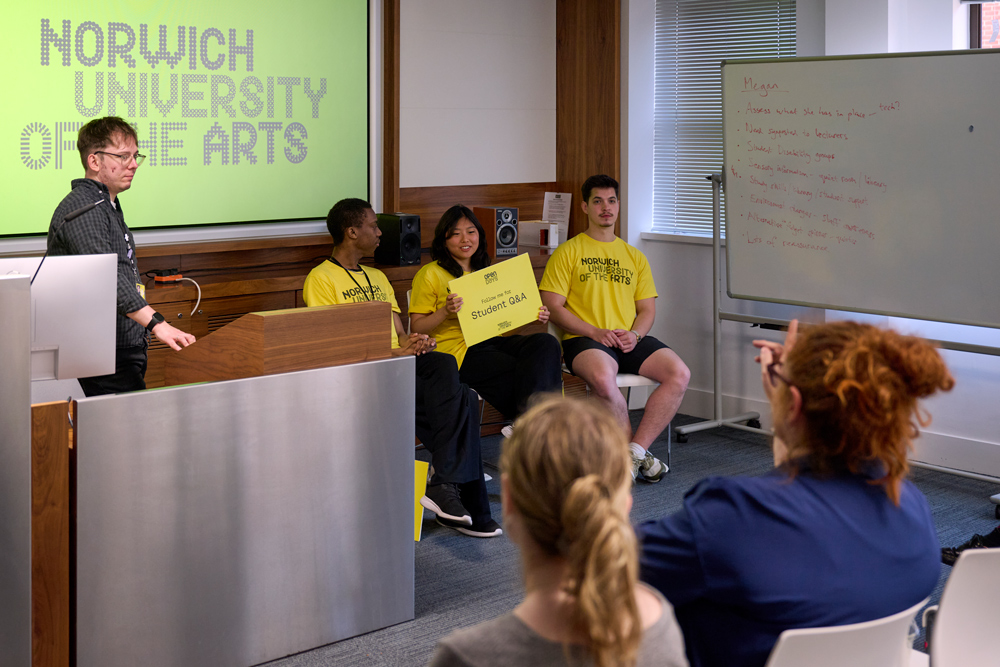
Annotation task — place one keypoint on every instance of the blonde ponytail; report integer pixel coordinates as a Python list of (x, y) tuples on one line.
[(568, 470)]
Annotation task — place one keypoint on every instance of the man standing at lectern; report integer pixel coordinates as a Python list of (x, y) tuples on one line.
[(110, 155), (447, 419)]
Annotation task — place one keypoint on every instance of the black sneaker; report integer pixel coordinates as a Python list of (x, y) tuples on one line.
[(949, 555), (489, 529), (989, 541), (443, 500)]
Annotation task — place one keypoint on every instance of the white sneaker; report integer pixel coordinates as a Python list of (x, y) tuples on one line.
[(649, 467)]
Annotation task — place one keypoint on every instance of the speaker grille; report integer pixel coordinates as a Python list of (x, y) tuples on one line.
[(400, 241)]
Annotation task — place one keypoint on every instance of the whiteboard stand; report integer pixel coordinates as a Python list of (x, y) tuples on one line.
[(739, 421), (746, 421)]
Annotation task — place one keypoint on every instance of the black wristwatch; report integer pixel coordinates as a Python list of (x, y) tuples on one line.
[(156, 319), (637, 337)]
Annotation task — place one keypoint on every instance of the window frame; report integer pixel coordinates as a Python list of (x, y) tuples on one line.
[(687, 128)]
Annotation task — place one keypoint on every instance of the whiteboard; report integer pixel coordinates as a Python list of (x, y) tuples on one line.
[(869, 184)]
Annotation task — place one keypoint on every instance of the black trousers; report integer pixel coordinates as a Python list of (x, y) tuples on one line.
[(129, 375), (508, 370), (448, 425)]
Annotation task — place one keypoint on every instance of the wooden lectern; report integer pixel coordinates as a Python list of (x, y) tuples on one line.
[(282, 341)]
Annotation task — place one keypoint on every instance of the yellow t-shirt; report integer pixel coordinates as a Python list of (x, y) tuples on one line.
[(601, 281), (430, 292), (329, 284)]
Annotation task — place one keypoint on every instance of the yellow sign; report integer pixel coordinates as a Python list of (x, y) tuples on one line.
[(419, 488), (497, 299)]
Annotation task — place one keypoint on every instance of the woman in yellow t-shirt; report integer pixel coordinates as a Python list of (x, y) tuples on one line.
[(505, 370)]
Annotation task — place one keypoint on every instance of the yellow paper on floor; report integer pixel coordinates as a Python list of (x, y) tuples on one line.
[(497, 299), (419, 487)]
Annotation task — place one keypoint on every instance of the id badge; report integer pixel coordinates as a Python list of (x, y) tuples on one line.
[(142, 290)]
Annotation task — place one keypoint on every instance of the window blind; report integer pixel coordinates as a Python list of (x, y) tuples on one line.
[(692, 37)]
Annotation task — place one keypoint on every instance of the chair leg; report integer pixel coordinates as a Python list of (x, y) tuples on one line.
[(669, 438)]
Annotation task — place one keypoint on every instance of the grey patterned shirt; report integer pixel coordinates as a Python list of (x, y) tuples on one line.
[(98, 231)]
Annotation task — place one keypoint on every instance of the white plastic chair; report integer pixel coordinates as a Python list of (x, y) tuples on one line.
[(623, 381), (964, 632), (884, 642)]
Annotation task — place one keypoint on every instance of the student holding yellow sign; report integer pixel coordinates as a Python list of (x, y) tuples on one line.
[(504, 370)]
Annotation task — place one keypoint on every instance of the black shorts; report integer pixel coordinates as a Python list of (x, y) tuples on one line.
[(628, 362)]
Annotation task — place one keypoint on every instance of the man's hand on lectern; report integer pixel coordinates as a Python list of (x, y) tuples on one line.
[(172, 336)]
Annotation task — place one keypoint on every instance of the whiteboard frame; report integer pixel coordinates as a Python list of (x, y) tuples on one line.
[(726, 165)]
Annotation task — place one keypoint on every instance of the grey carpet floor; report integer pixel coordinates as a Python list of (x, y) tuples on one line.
[(461, 581)]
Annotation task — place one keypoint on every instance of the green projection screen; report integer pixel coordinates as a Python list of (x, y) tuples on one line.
[(247, 110)]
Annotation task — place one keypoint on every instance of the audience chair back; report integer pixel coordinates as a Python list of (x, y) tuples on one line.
[(964, 631), (884, 642)]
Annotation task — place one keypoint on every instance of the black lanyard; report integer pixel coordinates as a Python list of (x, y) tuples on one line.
[(370, 295)]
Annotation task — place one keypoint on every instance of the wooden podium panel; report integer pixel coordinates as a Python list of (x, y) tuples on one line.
[(50, 535), (282, 341)]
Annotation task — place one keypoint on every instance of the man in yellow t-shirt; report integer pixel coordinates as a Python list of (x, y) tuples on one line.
[(600, 291), (447, 419)]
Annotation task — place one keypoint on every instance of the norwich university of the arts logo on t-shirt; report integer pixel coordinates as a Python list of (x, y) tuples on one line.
[(604, 269), (360, 294)]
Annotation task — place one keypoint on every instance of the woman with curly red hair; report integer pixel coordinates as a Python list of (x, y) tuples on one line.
[(835, 534)]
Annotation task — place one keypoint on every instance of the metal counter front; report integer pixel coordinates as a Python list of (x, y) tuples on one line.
[(15, 471), (237, 522)]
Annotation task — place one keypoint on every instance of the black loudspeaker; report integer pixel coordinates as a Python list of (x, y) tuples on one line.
[(500, 225), (400, 242)]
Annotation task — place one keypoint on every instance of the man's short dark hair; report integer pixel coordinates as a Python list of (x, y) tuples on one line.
[(346, 213), (598, 181), (101, 133)]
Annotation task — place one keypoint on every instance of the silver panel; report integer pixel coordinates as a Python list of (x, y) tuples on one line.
[(15, 472), (237, 522)]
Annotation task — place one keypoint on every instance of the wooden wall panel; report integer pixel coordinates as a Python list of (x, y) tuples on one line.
[(431, 202), (50, 535), (588, 96), (390, 106), (240, 260)]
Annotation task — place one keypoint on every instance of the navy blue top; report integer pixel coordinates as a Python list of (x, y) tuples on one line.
[(749, 557)]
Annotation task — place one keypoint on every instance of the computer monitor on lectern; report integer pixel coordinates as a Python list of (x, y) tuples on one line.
[(73, 318)]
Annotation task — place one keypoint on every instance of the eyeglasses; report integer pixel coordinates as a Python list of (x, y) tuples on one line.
[(773, 373), (126, 157)]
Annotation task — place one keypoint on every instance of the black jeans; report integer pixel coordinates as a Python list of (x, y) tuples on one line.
[(129, 375), (448, 425), (508, 370)]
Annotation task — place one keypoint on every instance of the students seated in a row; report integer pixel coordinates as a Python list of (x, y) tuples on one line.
[(505, 370), (600, 291), (566, 488), (447, 419), (835, 534)]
